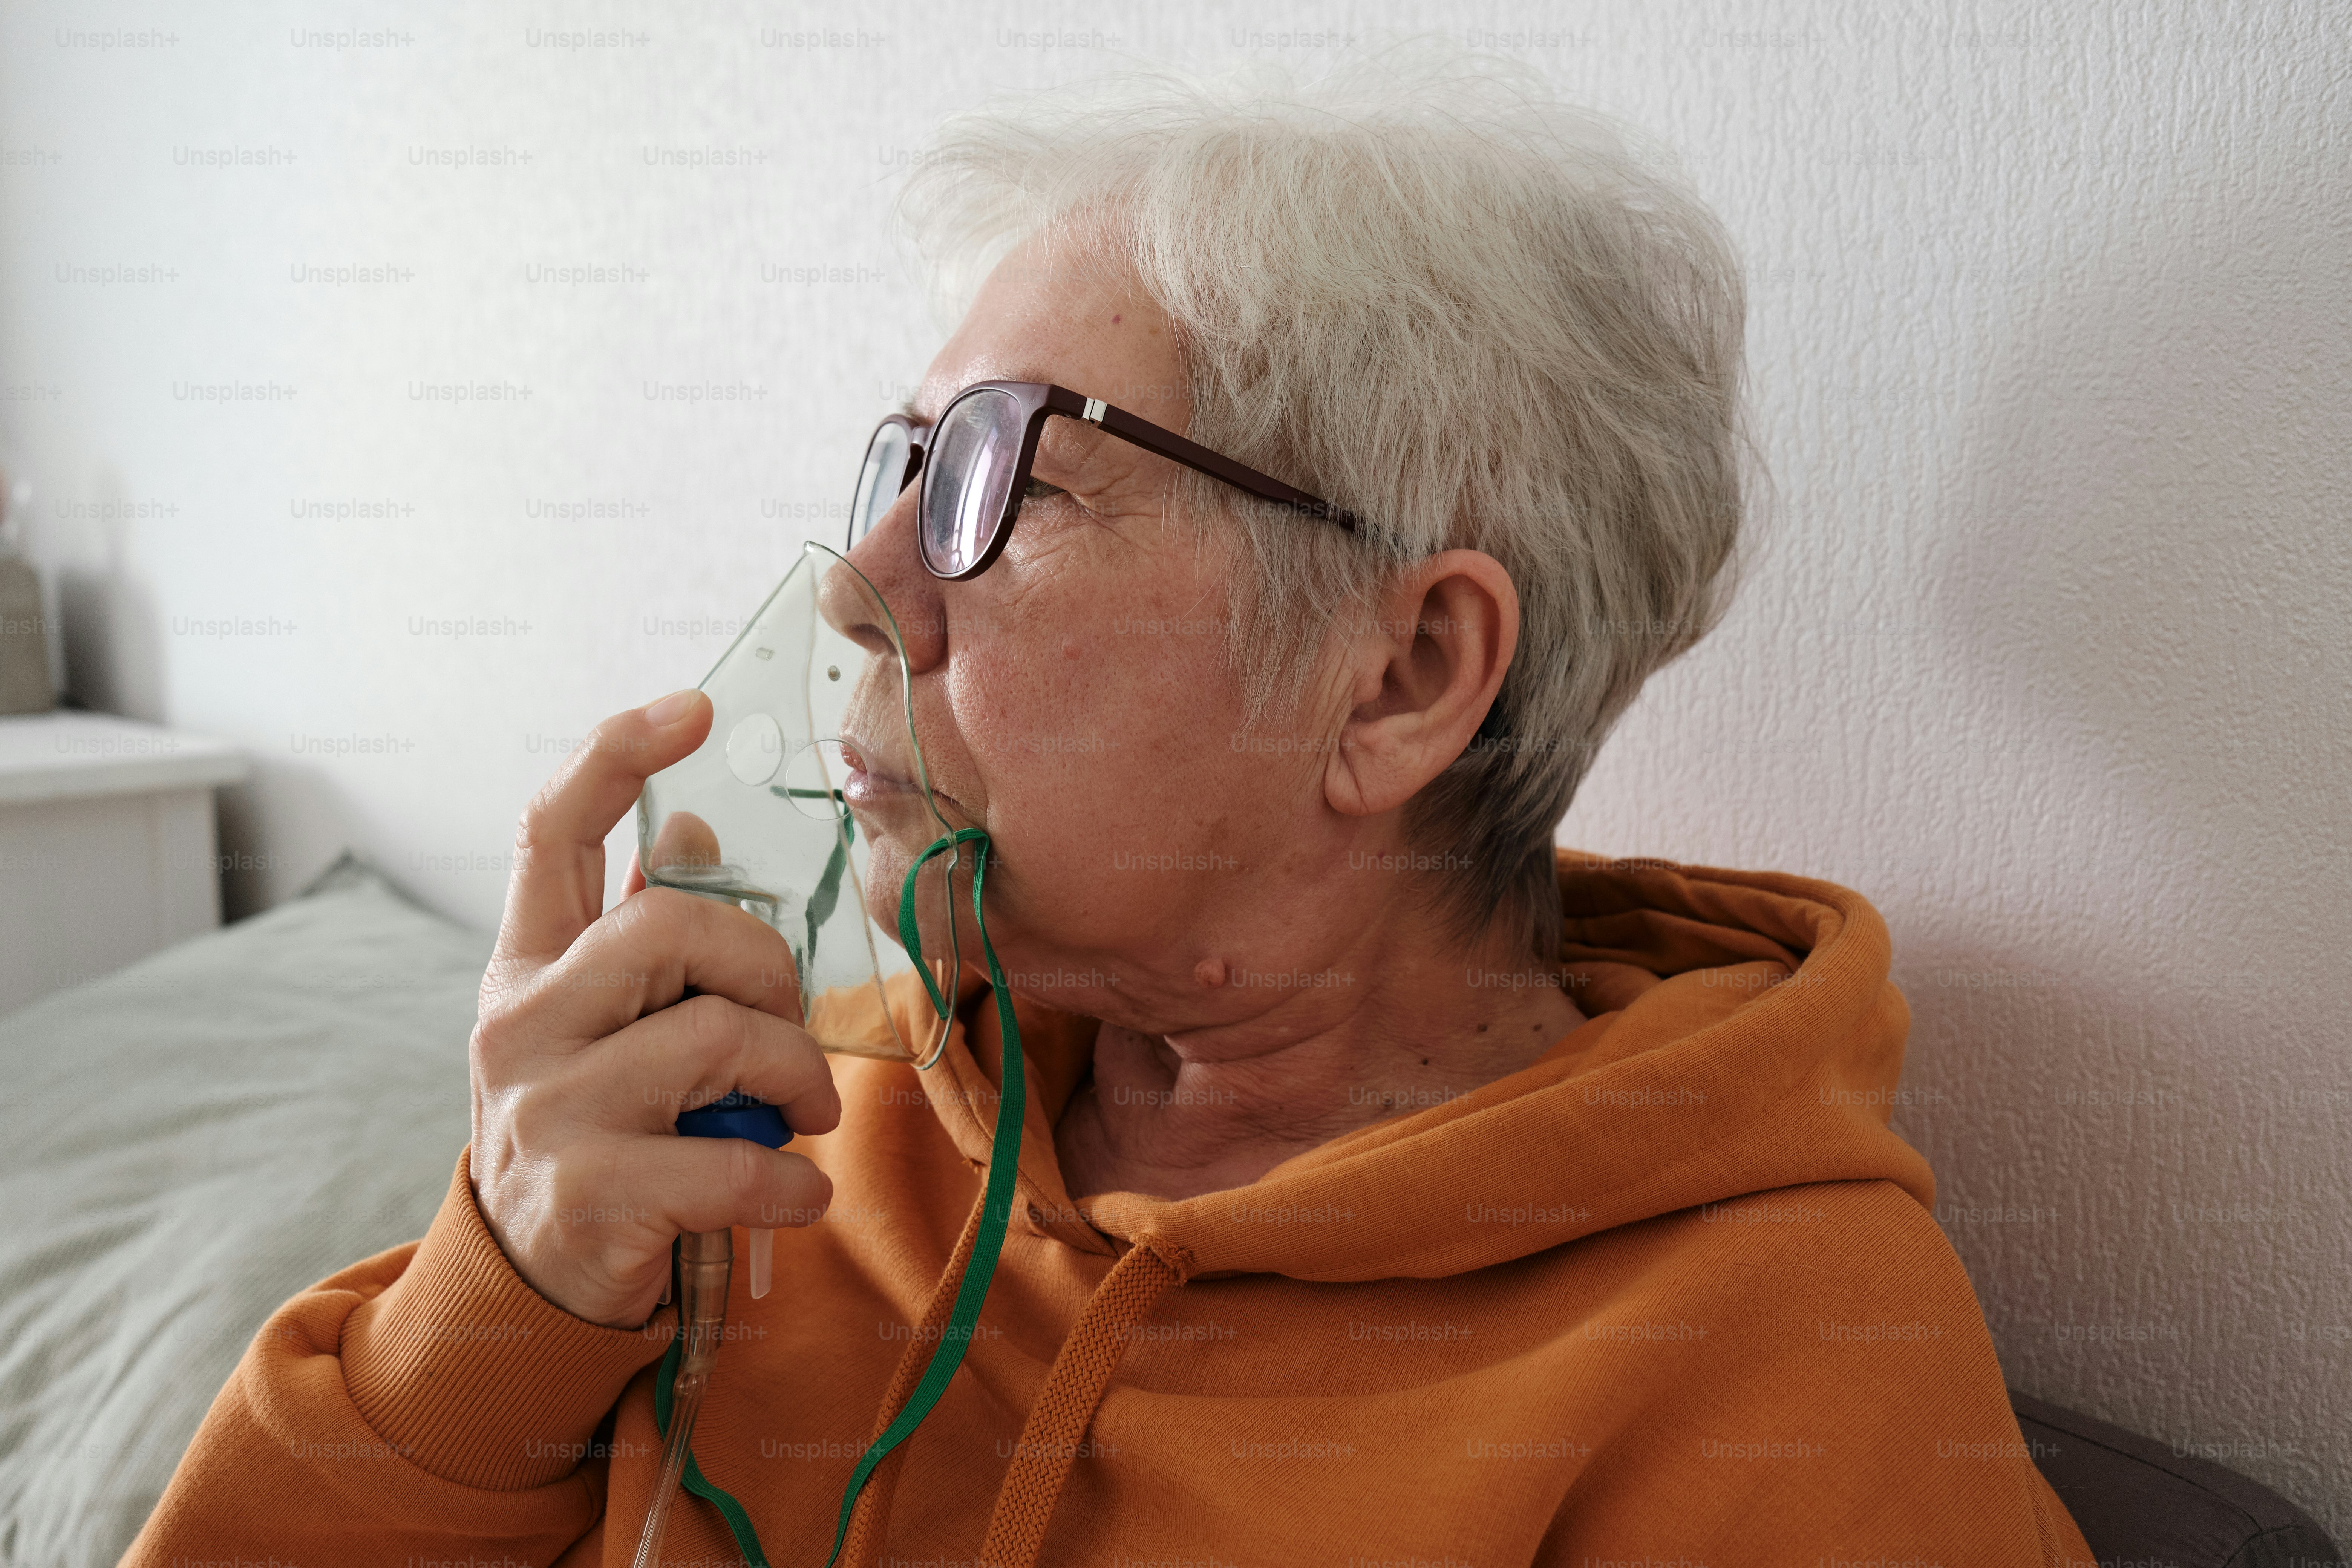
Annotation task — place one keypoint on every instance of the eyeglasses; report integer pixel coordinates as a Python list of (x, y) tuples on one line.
[(974, 467)]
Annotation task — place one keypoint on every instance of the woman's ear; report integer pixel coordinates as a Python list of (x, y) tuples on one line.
[(1423, 674)]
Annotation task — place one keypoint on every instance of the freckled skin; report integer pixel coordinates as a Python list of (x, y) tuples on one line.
[(1215, 902)]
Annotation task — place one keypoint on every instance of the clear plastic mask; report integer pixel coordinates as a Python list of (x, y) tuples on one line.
[(812, 713), (812, 758)]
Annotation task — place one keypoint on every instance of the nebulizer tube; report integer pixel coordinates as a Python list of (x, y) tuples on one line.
[(706, 1259)]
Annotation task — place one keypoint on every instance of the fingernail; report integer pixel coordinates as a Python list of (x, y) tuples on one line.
[(670, 709)]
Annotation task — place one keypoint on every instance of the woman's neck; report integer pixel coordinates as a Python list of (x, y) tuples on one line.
[(1175, 1116)]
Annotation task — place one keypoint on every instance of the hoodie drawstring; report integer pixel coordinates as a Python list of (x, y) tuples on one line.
[(873, 1516), (1057, 1423), (1090, 1353)]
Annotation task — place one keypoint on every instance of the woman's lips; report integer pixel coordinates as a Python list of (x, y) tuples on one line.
[(863, 788), (868, 784)]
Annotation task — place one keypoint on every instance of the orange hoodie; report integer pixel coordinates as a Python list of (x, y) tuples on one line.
[(1671, 1296)]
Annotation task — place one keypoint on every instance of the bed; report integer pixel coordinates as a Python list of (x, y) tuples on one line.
[(184, 1144)]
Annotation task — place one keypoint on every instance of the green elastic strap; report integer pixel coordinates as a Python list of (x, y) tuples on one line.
[(996, 1203), (996, 1215)]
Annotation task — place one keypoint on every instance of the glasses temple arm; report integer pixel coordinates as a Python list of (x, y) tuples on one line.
[(1168, 443)]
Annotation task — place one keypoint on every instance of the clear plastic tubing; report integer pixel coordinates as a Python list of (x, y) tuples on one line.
[(705, 1259)]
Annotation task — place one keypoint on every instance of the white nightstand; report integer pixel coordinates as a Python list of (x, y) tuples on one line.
[(108, 849)]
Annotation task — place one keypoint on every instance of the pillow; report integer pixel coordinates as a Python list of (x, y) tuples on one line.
[(184, 1144)]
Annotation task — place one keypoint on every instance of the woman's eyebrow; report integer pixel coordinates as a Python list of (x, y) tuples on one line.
[(907, 408)]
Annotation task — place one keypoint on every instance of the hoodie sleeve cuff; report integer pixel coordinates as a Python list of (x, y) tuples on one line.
[(474, 1376)]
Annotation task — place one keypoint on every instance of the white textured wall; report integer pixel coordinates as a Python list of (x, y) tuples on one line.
[(2053, 335)]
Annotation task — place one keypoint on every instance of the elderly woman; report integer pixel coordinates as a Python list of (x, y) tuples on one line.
[(1396, 1188)]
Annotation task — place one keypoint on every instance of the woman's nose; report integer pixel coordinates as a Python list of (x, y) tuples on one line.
[(887, 557)]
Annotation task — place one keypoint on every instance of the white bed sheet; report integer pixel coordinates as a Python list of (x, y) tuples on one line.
[(183, 1146)]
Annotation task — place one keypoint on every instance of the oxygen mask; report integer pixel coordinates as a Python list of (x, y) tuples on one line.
[(813, 754)]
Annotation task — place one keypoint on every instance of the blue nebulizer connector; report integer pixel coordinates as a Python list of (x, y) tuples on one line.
[(740, 1116)]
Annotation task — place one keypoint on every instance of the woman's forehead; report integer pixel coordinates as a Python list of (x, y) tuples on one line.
[(1065, 315)]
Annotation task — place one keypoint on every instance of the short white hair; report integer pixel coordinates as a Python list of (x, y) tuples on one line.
[(1425, 289)]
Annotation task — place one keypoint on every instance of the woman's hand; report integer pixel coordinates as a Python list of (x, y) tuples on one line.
[(596, 1029)]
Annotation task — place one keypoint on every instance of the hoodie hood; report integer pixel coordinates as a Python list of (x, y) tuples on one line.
[(1741, 1036)]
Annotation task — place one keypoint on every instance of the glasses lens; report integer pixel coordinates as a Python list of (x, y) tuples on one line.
[(880, 480), (969, 479)]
